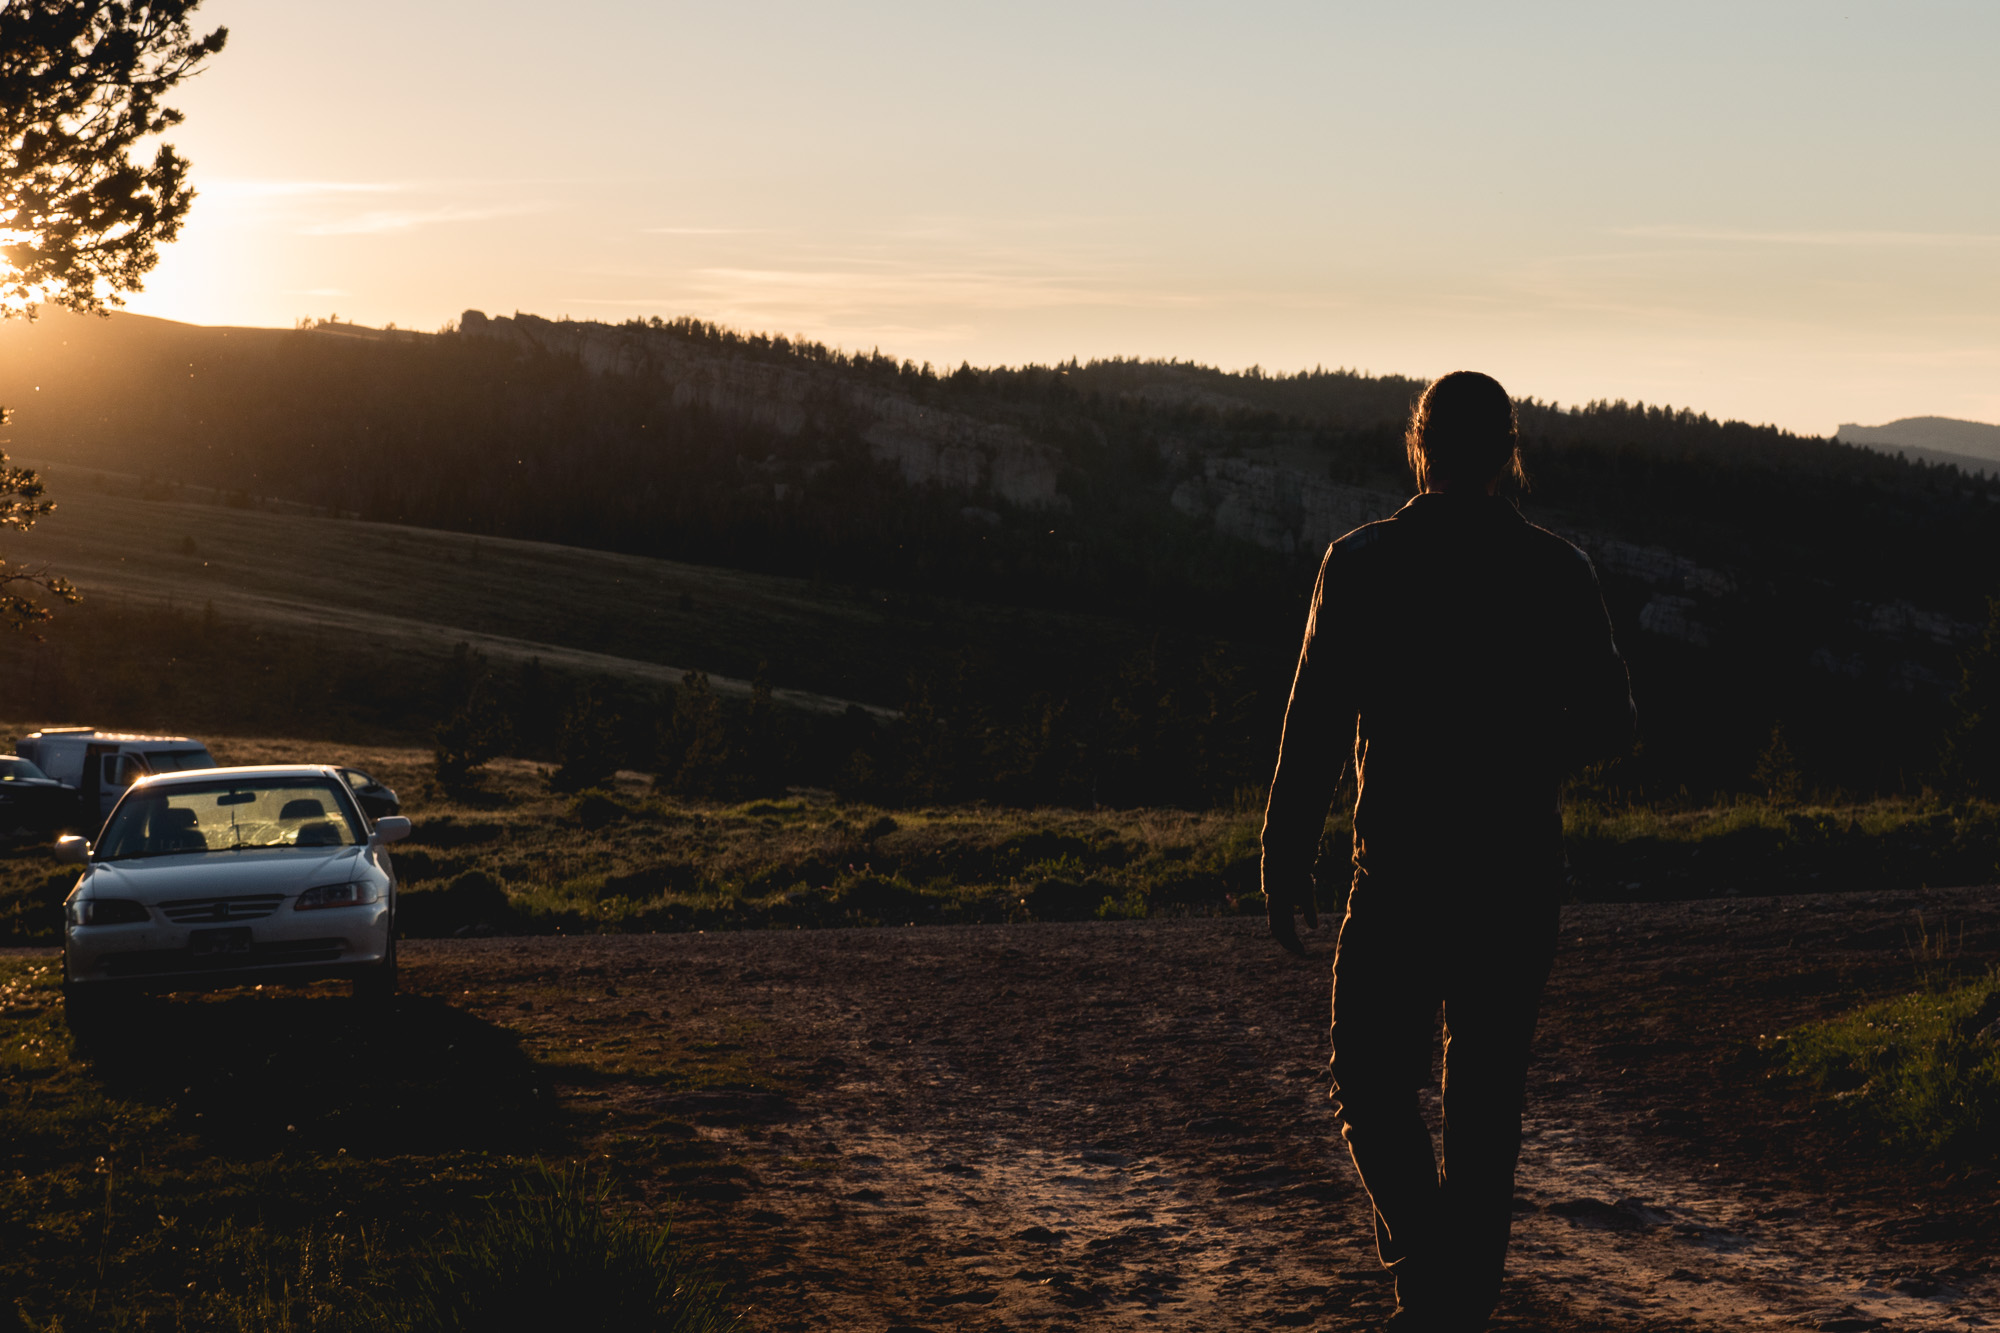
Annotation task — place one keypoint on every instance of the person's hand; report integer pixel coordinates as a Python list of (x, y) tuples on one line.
[(1281, 901)]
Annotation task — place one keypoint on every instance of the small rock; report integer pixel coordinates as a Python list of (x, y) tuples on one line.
[(1041, 1236)]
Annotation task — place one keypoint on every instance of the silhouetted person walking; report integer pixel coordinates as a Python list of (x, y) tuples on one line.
[(1464, 658)]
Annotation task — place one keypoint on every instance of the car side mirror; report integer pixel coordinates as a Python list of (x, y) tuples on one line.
[(72, 850), (392, 828)]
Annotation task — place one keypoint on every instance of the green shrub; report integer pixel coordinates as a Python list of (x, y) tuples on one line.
[(594, 808), (1921, 1071), (472, 900), (886, 900), (1058, 898), (551, 1255), (1130, 906), (589, 745)]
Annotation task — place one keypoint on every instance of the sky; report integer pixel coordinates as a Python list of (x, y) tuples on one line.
[(1784, 213)]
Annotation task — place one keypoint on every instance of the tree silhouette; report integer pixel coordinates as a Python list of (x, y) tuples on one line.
[(80, 85), (1972, 746)]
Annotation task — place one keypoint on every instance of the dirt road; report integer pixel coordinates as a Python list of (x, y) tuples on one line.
[(1125, 1125)]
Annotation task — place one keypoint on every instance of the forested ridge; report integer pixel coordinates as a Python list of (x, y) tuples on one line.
[(1766, 586)]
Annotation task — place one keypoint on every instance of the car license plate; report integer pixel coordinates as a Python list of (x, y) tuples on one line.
[(231, 941)]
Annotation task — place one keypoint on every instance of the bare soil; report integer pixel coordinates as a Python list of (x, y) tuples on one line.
[(1121, 1125)]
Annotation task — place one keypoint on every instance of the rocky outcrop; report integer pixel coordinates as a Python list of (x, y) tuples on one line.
[(929, 447), (1277, 507)]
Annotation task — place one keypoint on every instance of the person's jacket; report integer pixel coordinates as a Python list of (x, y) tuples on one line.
[(1464, 658)]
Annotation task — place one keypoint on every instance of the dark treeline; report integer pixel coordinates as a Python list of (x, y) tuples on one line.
[(1819, 544), (1166, 727)]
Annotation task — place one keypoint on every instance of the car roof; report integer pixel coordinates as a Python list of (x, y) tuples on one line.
[(242, 771), (91, 736)]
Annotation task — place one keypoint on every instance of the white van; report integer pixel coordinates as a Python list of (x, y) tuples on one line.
[(99, 765)]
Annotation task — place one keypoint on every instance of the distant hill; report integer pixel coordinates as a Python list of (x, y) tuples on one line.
[(1945, 440), (1755, 576)]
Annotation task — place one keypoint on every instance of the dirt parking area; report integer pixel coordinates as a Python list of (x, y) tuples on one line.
[(1125, 1125)]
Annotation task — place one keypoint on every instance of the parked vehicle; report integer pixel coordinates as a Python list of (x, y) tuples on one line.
[(376, 799), (99, 765), (32, 804), (230, 876)]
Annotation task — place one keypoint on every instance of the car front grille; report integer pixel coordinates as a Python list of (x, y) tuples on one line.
[(167, 962), (201, 911)]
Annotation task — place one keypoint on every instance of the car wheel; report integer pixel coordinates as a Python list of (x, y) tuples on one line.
[(378, 985), (84, 1008)]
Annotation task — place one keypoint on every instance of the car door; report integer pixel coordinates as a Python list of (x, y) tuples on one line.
[(93, 792)]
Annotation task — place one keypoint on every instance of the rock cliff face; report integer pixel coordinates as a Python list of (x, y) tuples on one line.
[(929, 447), (1277, 507)]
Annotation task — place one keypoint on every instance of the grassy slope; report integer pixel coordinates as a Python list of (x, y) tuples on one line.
[(411, 593)]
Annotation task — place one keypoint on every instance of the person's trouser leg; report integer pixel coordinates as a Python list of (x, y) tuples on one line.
[(1384, 1016), (1492, 998)]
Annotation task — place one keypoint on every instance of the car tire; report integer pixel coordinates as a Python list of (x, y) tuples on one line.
[(85, 1009), (378, 984)]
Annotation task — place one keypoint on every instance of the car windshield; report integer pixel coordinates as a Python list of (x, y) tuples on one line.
[(230, 815), (19, 770), (178, 761)]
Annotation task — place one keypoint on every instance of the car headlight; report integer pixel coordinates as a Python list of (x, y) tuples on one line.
[(105, 912), (337, 895)]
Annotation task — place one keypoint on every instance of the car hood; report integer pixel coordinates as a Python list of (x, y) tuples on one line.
[(219, 874)]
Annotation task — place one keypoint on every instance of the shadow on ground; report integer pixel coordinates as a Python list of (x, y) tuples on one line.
[(255, 1072)]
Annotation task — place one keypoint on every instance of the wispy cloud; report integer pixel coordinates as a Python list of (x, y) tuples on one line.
[(879, 284), (378, 221), (1856, 239), (270, 189), (704, 231)]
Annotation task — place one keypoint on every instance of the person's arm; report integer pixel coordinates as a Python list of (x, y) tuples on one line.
[(1312, 753), (1600, 719)]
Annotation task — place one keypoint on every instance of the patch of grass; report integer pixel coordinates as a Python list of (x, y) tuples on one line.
[(260, 1160), (551, 1253), (1627, 853), (1921, 1071)]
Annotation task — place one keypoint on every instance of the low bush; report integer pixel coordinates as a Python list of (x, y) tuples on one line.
[(1921, 1071), (472, 902), (882, 900), (596, 808)]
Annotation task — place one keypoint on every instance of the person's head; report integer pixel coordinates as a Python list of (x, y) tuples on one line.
[(1463, 435)]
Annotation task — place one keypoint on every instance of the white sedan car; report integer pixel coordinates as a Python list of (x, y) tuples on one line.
[(230, 876)]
